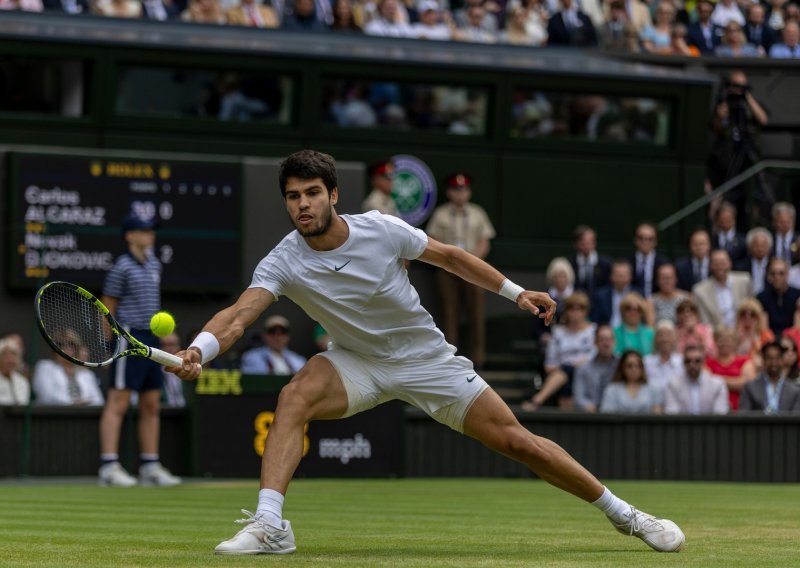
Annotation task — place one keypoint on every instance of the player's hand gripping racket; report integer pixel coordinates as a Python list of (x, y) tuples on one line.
[(80, 328)]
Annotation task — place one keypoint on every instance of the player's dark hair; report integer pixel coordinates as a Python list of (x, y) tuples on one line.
[(306, 165)]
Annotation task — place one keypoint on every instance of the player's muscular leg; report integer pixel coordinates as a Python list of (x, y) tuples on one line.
[(490, 421), (314, 393)]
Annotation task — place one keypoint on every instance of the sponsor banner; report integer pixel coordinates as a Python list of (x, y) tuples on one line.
[(232, 431)]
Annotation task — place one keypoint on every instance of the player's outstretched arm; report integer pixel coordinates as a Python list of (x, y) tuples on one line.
[(481, 273), (225, 328)]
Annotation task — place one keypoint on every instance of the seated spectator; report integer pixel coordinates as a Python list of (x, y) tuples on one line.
[(694, 268), (571, 345), (665, 363), (751, 330), (388, 22), (633, 333), (14, 387), (489, 23), (645, 259), (725, 235), (303, 17), (173, 385), (71, 7), (775, 14), (117, 8), (204, 12), (592, 269), (22, 5), (475, 28), (719, 295), (678, 42), (793, 332), (17, 340), (703, 33), (638, 14), (658, 37), (736, 370), (734, 43), (696, 391), (274, 357), (606, 300), (756, 31), (560, 279), (571, 27), (790, 48), (592, 378), (159, 10), (517, 31), (536, 16), (759, 243), (629, 391), (691, 331), (778, 298), (58, 381), (791, 362), (727, 11), (771, 392), (430, 24), (612, 33), (665, 302), (344, 17), (251, 13)]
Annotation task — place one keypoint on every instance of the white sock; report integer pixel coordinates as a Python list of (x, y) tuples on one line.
[(270, 507), (613, 506)]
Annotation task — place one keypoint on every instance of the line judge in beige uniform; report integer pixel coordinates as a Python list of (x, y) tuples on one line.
[(380, 198), (467, 226)]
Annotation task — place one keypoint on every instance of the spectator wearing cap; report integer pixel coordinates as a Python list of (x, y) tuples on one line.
[(274, 357), (467, 226), (430, 24), (380, 198), (14, 387)]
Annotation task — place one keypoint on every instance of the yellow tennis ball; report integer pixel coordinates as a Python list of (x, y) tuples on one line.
[(162, 324)]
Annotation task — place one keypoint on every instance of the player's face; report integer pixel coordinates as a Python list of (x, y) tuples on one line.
[(309, 205)]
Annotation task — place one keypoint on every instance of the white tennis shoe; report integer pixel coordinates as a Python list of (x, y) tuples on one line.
[(114, 475), (258, 537), (155, 474), (659, 534)]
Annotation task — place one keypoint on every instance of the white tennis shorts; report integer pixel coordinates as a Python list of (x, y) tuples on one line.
[(444, 388)]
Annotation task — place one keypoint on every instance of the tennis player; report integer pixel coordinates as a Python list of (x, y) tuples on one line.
[(346, 272)]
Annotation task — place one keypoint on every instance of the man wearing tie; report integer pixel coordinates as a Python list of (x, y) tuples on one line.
[(646, 260), (592, 270), (784, 234), (694, 268), (724, 233)]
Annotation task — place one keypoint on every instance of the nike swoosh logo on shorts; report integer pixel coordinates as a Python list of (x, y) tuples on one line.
[(338, 268), (472, 378)]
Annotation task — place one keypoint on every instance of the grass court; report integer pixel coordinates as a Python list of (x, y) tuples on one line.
[(403, 522)]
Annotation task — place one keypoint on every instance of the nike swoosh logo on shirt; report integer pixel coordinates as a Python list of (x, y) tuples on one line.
[(472, 378), (338, 268)]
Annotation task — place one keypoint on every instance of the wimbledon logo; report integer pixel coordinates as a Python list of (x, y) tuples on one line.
[(413, 189)]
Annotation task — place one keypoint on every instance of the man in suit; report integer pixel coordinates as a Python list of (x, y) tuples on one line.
[(756, 30), (695, 391), (759, 243), (703, 34), (646, 260), (771, 392), (784, 234), (606, 300), (694, 268), (719, 295), (724, 234), (571, 27), (592, 269)]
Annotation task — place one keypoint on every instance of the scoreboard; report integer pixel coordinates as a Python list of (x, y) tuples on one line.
[(66, 212)]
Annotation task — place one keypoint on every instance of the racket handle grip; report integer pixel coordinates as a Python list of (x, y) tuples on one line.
[(164, 358)]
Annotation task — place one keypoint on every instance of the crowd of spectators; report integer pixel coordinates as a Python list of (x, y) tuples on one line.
[(727, 28), (685, 336)]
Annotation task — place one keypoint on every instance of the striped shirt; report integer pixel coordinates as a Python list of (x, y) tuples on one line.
[(137, 286)]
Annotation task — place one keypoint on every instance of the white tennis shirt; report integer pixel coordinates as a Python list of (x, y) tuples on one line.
[(360, 292)]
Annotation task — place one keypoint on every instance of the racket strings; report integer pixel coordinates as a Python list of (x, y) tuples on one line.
[(75, 325)]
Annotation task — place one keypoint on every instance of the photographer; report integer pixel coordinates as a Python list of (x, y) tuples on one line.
[(737, 118)]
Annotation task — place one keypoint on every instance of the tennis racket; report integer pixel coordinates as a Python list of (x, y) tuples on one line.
[(81, 329)]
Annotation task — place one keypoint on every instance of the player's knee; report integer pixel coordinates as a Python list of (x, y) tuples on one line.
[(524, 446), (295, 401)]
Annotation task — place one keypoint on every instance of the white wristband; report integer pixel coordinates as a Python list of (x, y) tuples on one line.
[(510, 290), (207, 344)]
